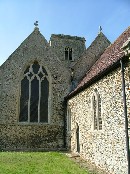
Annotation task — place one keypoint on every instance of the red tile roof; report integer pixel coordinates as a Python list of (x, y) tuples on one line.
[(110, 56)]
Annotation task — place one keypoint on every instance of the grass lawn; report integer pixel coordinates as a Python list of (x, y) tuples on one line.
[(37, 163)]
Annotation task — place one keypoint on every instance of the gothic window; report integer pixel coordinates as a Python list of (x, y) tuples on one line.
[(34, 95), (68, 118), (96, 108), (68, 53), (95, 113)]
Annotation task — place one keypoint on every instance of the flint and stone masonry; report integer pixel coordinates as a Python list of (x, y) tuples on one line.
[(36, 83), (106, 148), (15, 135)]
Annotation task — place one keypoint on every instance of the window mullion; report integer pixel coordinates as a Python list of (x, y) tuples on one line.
[(39, 101), (29, 101)]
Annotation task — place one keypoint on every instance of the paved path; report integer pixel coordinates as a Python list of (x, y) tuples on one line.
[(85, 164)]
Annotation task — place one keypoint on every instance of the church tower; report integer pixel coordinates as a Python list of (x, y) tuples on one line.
[(67, 48)]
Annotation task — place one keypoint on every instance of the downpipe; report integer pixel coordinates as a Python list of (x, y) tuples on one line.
[(125, 114)]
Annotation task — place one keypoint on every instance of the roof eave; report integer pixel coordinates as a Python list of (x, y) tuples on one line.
[(96, 78)]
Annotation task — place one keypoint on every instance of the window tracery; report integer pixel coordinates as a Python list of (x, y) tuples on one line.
[(34, 95)]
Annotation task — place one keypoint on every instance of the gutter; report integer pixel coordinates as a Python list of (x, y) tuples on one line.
[(125, 114)]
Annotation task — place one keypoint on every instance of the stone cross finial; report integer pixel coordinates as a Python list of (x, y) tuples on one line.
[(36, 23), (100, 29)]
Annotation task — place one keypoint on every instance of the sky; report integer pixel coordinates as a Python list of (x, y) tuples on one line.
[(72, 17)]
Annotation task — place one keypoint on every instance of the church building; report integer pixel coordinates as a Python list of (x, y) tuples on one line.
[(60, 95)]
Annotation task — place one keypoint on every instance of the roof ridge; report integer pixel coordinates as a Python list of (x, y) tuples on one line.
[(91, 45), (120, 35)]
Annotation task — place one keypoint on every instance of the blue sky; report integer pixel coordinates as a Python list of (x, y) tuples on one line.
[(73, 17)]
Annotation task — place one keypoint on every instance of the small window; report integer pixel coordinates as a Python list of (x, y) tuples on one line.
[(96, 108), (95, 113), (68, 118), (68, 53)]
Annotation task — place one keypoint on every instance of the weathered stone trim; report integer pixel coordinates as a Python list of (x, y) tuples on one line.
[(67, 37)]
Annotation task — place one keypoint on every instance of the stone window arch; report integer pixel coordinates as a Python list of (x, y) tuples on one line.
[(68, 53), (34, 95), (96, 110)]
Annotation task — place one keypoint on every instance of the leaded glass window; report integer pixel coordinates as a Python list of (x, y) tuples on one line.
[(95, 113), (96, 108), (34, 95)]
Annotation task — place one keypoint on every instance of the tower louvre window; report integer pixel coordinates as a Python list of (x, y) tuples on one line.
[(34, 95), (68, 53)]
